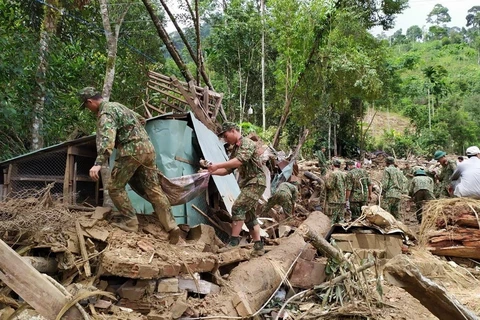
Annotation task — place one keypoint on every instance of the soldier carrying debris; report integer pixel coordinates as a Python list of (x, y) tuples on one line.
[(335, 185), (421, 190), (121, 128), (252, 184), (393, 182), (358, 189), (285, 196)]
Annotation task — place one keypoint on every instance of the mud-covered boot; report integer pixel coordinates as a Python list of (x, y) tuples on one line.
[(130, 225), (258, 249), (232, 243)]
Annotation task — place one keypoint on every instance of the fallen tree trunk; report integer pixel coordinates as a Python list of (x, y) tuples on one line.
[(400, 271), (252, 283)]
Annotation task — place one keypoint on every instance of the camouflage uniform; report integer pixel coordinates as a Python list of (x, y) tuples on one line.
[(443, 185), (393, 183), (285, 196), (121, 128), (357, 182), (335, 185), (252, 182), (421, 190), (322, 162)]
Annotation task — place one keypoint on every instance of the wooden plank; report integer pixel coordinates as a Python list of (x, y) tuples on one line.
[(8, 181), (171, 105), (457, 251), (167, 94), (402, 272), (206, 98), (168, 87), (83, 152), (83, 249), (32, 286)]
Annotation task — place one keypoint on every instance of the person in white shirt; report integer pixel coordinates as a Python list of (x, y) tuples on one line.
[(466, 177)]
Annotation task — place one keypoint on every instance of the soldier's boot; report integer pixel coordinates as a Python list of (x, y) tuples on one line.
[(130, 225), (258, 249), (174, 235), (232, 243)]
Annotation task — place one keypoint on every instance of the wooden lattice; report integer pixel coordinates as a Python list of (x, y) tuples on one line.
[(168, 94)]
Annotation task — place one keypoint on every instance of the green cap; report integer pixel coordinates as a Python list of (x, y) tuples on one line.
[(439, 154), (390, 160), (350, 162), (85, 94), (420, 172), (337, 162), (226, 126)]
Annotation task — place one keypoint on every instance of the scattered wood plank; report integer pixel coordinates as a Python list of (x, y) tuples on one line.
[(402, 272), (83, 249), (32, 286)]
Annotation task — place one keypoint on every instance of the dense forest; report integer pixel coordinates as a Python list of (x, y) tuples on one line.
[(283, 66)]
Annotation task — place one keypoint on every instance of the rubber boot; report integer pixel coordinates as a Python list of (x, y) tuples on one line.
[(130, 225), (232, 243), (258, 249)]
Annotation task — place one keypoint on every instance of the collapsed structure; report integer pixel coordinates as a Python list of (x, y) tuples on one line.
[(53, 223)]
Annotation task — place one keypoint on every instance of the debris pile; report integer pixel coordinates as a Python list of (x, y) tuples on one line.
[(450, 227)]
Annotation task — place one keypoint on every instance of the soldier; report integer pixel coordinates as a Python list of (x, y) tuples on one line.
[(252, 184), (322, 160), (358, 189), (393, 183), (421, 190), (121, 128), (335, 185), (443, 187), (285, 196)]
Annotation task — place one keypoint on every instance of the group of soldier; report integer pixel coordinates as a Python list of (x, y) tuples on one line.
[(346, 191)]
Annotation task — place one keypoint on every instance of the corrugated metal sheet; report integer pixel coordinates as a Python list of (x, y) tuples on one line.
[(214, 151)]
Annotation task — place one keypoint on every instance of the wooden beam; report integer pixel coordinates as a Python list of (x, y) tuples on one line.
[(32, 286), (402, 272), (83, 249)]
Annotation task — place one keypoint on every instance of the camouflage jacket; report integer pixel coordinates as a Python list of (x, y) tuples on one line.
[(288, 188), (121, 128), (446, 172), (420, 183), (357, 182), (322, 160), (393, 182), (250, 171), (335, 184)]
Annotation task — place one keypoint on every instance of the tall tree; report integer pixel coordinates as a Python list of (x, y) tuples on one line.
[(414, 33), (439, 15)]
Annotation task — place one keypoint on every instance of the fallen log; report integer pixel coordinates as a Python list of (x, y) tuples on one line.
[(402, 272), (252, 283)]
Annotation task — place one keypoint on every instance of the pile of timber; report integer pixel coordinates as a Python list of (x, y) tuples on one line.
[(450, 227)]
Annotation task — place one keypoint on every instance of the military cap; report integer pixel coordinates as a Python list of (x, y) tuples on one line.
[(350, 162), (85, 94), (337, 162), (390, 160), (420, 172), (226, 126), (439, 154)]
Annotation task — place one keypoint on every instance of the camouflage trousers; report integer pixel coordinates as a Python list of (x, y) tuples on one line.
[(140, 172), (442, 191), (420, 197), (283, 199), (243, 208), (356, 209), (336, 212), (391, 205)]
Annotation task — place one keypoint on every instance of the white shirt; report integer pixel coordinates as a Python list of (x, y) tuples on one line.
[(468, 176)]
